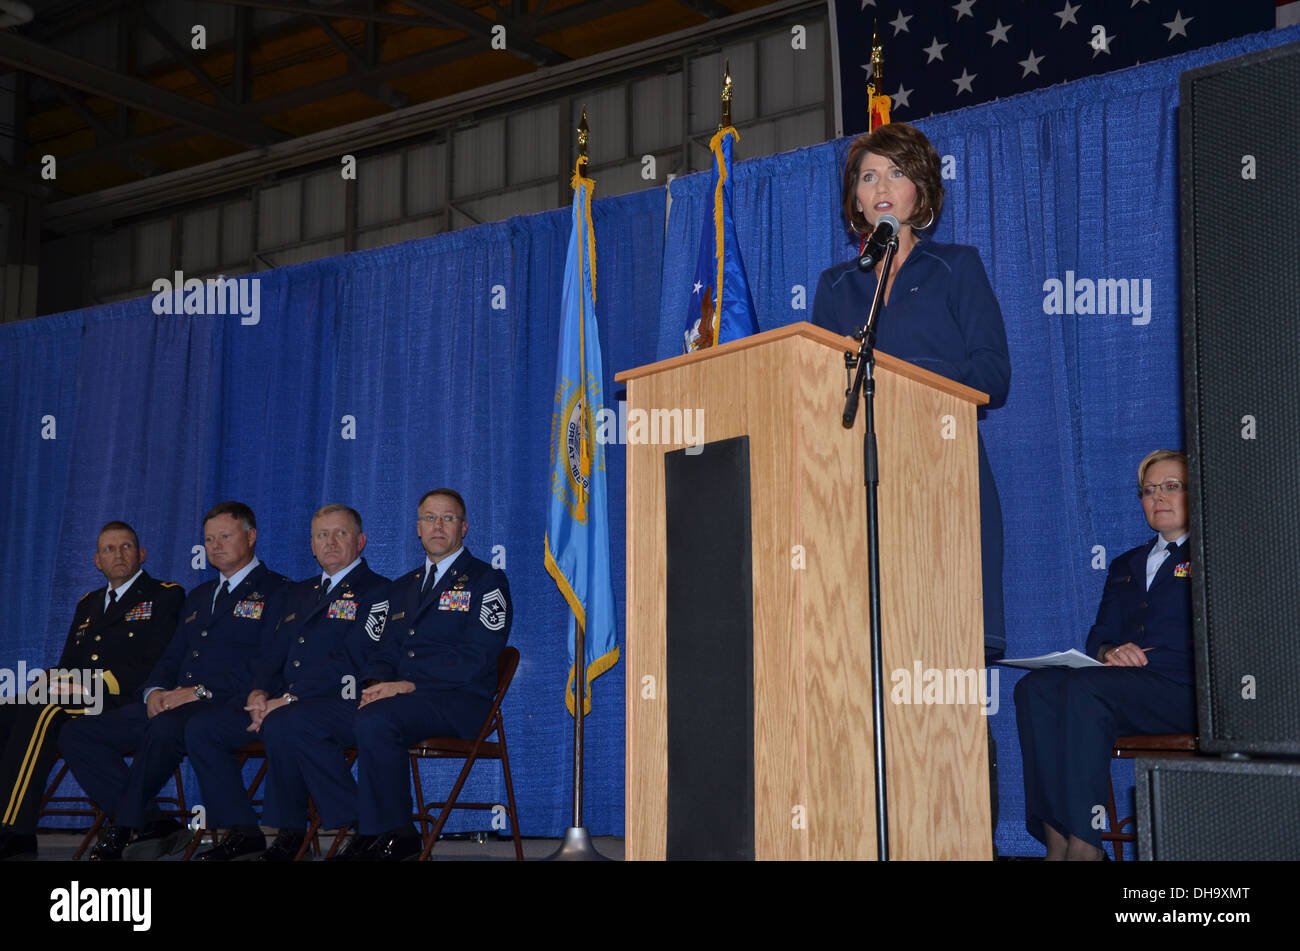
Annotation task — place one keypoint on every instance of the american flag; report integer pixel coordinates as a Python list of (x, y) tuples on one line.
[(941, 55)]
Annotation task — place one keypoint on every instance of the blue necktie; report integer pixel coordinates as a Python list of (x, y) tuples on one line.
[(222, 591)]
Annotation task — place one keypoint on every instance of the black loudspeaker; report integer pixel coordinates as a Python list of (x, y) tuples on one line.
[(1216, 810), (1240, 202)]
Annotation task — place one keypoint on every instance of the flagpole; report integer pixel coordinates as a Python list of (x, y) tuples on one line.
[(577, 845)]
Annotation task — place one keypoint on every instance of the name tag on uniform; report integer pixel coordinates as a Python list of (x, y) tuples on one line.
[(1182, 571), (347, 610), (250, 609), (141, 612), (454, 601)]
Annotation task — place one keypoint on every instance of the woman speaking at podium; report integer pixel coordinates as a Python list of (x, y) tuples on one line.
[(938, 312)]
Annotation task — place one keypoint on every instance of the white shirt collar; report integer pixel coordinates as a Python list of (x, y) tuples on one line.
[(235, 580), (123, 587), (331, 580), (442, 565)]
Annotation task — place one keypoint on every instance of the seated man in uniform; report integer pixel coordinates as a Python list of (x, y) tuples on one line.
[(1069, 719), (303, 701), (119, 632), (225, 623), (433, 673)]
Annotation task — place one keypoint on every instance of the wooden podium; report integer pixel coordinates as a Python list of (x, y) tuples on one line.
[(811, 769)]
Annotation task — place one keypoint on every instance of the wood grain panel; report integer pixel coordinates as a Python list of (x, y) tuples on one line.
[(812, 729)]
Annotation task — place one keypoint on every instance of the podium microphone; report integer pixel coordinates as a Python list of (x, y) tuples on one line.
[(886, 228)]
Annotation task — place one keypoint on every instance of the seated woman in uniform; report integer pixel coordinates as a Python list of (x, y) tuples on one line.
[(1069, 719)]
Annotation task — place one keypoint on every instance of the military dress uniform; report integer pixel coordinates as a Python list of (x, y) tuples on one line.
[(123, 642), (445, 641), (318, 651), (213, 649), (1069, 718)]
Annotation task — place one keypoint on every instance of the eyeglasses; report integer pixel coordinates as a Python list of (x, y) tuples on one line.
[(1169, 487), (446, 518)]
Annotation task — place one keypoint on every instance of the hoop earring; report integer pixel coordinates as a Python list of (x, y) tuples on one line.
[(927, 224)]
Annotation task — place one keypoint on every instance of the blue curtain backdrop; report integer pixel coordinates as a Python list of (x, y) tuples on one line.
[(155, 418)]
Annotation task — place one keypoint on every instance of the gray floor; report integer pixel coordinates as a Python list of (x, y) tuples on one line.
[(59, 847)]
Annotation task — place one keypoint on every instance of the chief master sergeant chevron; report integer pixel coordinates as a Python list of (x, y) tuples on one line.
[(433, 673)]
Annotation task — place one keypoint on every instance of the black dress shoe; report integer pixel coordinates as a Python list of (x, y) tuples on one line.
[(17, 848), (158, 838), (353, 849), (393, 847), (111, 844), (235, 846), (284, 848)]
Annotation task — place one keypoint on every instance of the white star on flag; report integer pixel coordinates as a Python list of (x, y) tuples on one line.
[(963, 82), (899, 23), (934, 50), (900, 97), (1100, 42), (1031, 64), (697, 288), (1178, 26), (963, 9), (1067, 13), (999, 33)]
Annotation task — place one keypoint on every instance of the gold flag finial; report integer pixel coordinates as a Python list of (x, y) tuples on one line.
[(726, 94), (583, 134), (875, 82)]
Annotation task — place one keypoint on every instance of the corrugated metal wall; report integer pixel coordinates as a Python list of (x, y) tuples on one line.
[(508, 164)]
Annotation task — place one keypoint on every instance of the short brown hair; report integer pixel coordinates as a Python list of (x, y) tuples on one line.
[(347, 510), (1160, 455), (909, 149), (116, 526), (236, 510), (449, 493)]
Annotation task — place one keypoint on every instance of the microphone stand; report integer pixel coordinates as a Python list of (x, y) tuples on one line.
[(864, 385)]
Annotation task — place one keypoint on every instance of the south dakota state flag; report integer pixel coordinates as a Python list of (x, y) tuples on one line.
[(721, 308), (577, 533)]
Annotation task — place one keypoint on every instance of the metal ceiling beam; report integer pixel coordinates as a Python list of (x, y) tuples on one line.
[(56, 21), (708, 8), (116, 151), (418, 62), (421, 120), (354, 57), (339, 13), (241, 82), (384, 72), (104, 135), (438, 14), (357, 66), (23, 54), (577, 15), (181, 54), (519, 41)]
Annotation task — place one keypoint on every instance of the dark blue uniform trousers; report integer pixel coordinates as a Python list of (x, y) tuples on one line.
[(305, 743), (95, 746), (385, 730), (214, 738), (1068, 722)]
